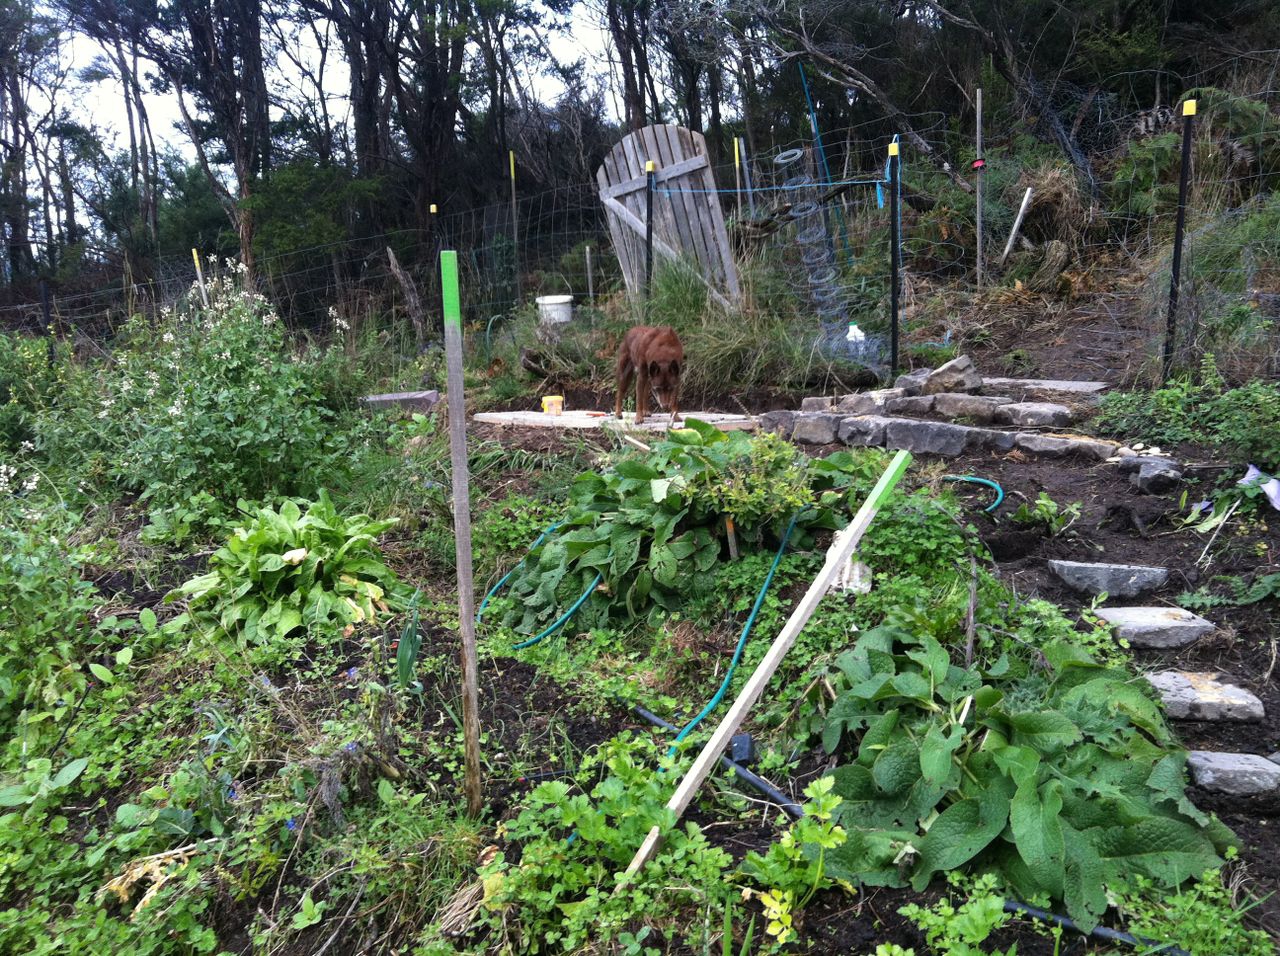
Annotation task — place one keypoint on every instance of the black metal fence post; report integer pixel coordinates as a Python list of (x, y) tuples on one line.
[(1184, 179), (895, 255), (648, 229)]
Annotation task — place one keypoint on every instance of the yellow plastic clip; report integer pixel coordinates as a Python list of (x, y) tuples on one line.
[(893, 149), (1189, 108), (511, 154), (433, 209), (648, 166)]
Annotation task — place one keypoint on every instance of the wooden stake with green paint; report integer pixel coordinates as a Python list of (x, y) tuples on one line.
[(462, 526), (847, 543)]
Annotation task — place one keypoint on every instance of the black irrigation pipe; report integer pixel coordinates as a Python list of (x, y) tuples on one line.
[(789, 806), (795, 811), (1022, 909)]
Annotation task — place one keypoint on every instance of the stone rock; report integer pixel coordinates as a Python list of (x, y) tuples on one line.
[(1156, 626), (1240, 775), (936, 438), (816, 403), (1134, 462), (1155, 478), (912, 382), (1049, 446), (863, 430), (982, 409), (911, 405), (780, 422), (867, 403), (414, 401), (958, 375), (991, 439), (1034, 414), (815, 428), (1188, 695), (1041, 389), (1275, 757), (1116, 580)]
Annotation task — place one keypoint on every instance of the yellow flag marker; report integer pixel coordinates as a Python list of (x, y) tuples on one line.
[(1189, 108), (893, 149)]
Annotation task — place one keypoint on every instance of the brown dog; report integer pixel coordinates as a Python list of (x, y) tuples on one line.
[(653, 357)]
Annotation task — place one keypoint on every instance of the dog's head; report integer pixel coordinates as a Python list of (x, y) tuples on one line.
[(664, 379)]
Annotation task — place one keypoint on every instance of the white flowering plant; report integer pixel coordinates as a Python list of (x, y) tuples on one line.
[(209, 404)]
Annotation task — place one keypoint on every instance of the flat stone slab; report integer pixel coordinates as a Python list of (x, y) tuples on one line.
[(1115, 580), (863, 430), (1040, 388), (982, 409), (1156, 626), (910, 405), (415, 401), (867, 403), (934, 438), (1053, 446), (780, 422), (1240, 775), (817, 403), (580, 419), (1189, 695), (1034, 414), (815, 428)]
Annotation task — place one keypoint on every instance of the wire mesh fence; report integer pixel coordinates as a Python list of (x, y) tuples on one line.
[(810, 223)]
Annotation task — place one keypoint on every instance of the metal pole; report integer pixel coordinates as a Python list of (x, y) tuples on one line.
[(648, 229), (979, 165), (48, 319), (1171, 328), (895, 255), (456, 399), (515, 231), (591, 279)]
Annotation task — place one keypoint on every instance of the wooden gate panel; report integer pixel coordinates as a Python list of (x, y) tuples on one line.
[(688, 223)]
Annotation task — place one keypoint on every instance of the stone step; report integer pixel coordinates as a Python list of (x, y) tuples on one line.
[(915, 435), (1240, 775), (1156, 626), (1041, 389), (1114, 580), (1189, 695)]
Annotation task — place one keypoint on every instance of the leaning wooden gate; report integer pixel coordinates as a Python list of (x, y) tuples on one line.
[(688, 224)]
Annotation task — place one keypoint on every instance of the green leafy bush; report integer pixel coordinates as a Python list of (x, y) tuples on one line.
[(26, 385), (650, 526), (1063, 782), (574, 847), (286, 570), (1203, 917), (1244, 421), (46, 631), (210, 401)]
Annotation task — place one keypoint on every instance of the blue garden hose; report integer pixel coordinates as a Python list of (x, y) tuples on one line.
[(560, 621), (742, 640), (494, 590), (973, 479)]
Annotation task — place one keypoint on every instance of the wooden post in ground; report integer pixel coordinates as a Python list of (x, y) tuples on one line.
[(462, 526), (837, 558), (1175, 271), (412, 304), (1017, 224)]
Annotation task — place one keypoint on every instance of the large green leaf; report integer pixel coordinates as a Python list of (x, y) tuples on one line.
[(1048, 731), (960, 833), (1037, 831)]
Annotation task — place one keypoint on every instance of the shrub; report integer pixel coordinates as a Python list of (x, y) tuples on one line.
[(286, 571), (26, 383), (210, 401), (46, 630), (573, 846)]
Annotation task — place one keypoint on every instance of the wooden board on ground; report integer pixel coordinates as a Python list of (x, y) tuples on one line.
[(585, 419)]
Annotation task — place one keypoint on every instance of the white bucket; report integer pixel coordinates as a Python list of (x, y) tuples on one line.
[(554, 309), (554, 313)]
